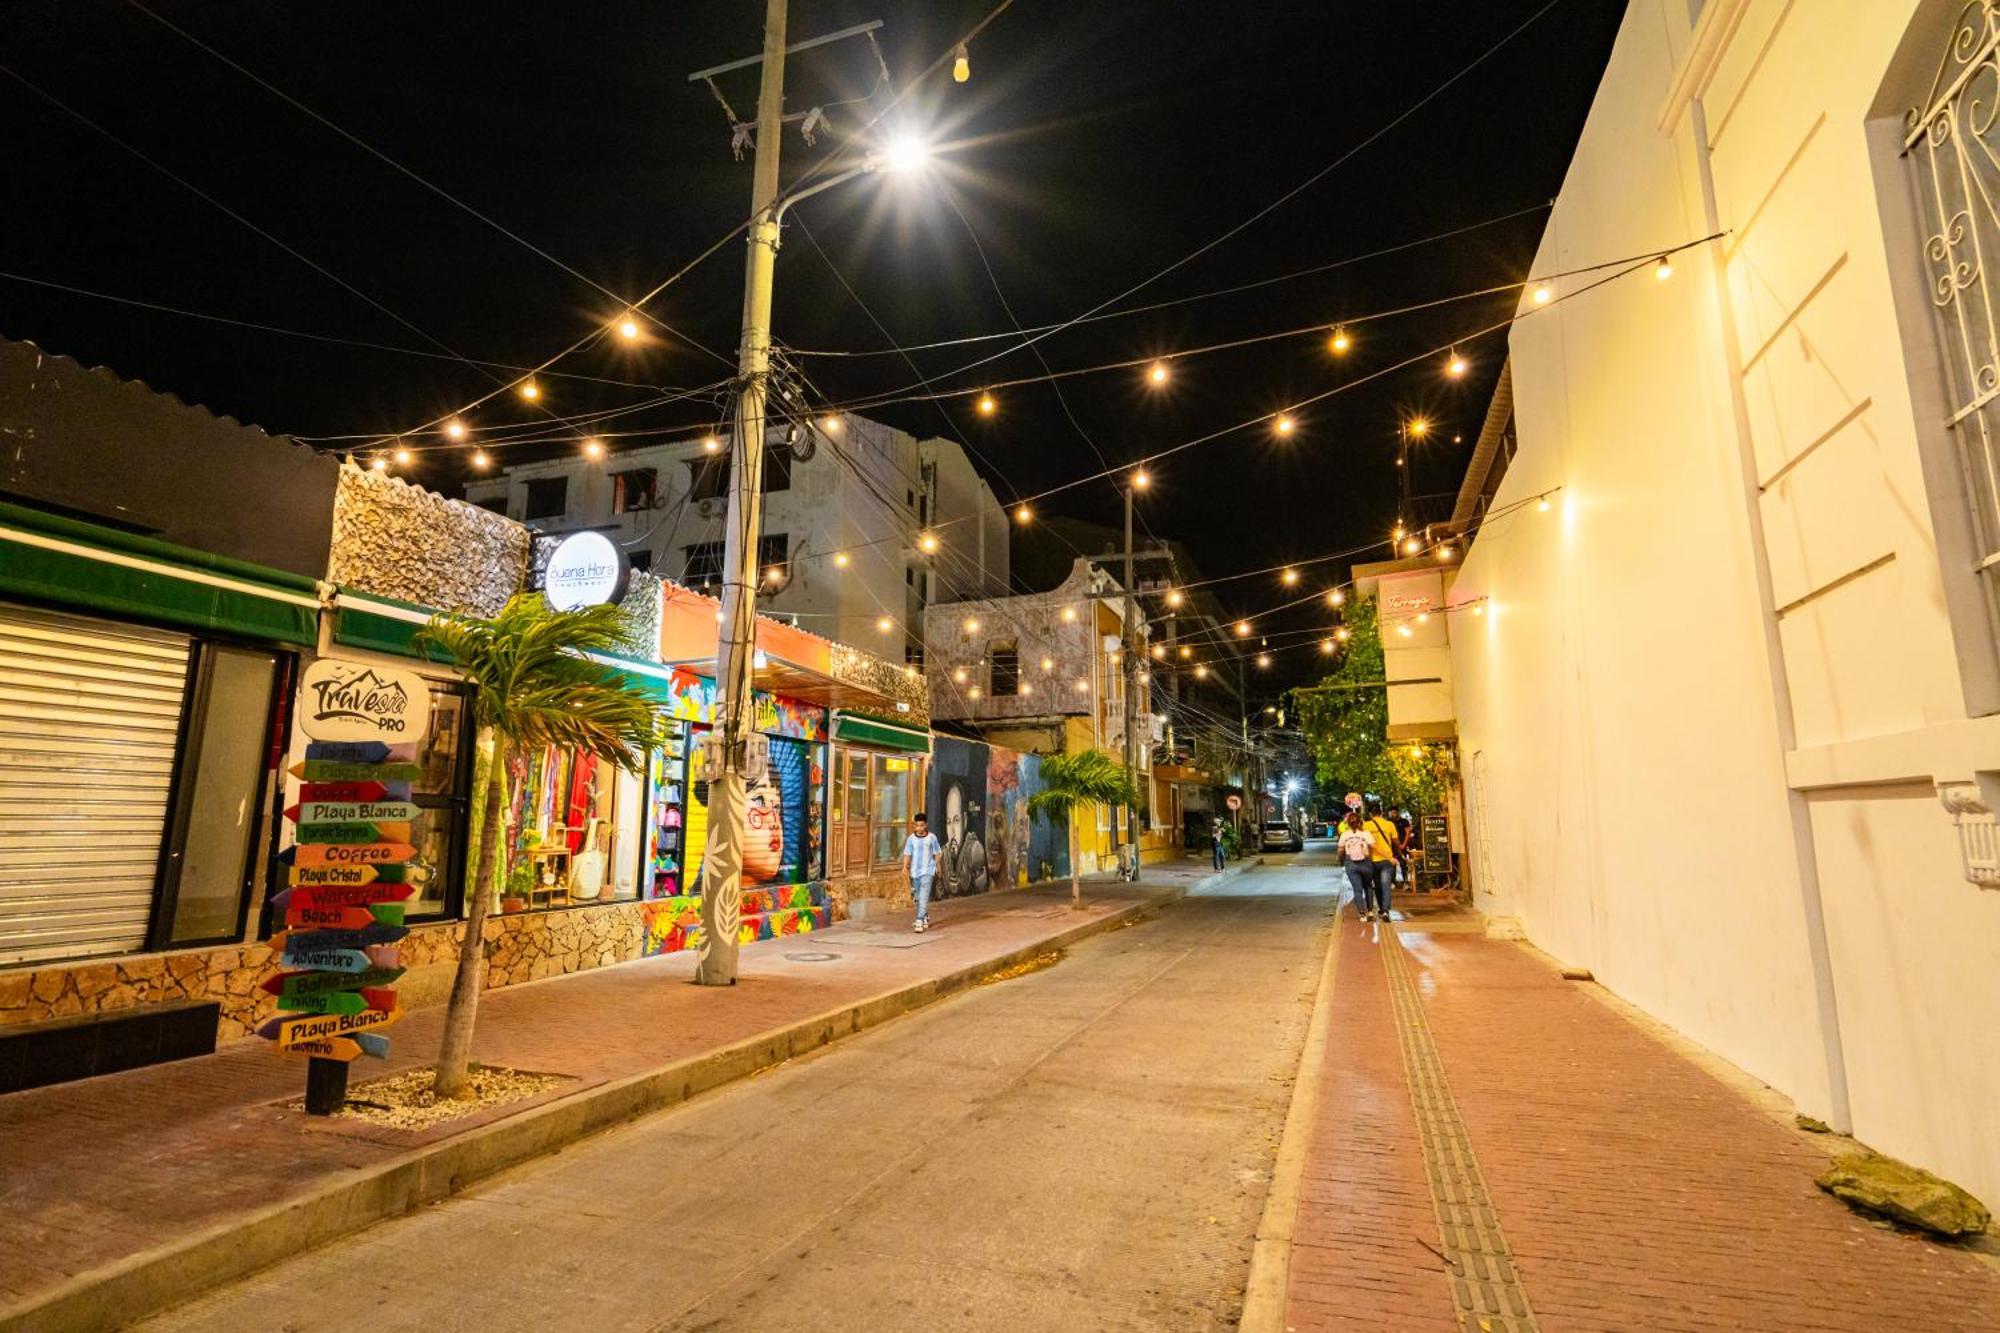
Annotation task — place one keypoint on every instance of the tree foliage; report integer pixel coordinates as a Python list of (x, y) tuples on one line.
[(1087, 777), (1346, 723)]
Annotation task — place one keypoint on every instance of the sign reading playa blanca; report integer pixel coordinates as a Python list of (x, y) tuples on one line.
[(363, 701)]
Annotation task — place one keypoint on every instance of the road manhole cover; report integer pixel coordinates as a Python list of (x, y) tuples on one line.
[(812, 957)]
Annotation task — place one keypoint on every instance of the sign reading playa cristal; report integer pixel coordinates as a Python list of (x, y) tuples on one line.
[(585, 569), (355, 833)]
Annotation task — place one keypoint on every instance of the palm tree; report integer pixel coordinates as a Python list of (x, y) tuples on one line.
[(532, 686), (1088, 777)]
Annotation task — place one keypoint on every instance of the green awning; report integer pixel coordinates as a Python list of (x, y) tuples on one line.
[(854, 728), (69, 562), (381, 624)]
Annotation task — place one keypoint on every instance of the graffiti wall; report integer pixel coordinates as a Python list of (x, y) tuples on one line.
[(782, 824), (694, 701), (978, 803)]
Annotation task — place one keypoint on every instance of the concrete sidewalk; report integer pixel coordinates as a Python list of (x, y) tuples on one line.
[(123, 1193), (1493, 1147)]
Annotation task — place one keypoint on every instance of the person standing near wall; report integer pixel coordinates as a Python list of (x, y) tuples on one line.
[(920, 863)]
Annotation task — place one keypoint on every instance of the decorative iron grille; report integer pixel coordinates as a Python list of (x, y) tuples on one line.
[(1954, 150)]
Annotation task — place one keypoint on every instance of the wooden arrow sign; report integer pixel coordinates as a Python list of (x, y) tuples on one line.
[(313, 983), (325, 1002), (348, 752), (308, 916), (353, 831), (321, 812), (343, 895), (354, 791), (347, 854), (326, 770), (307, 941), (352, 877), (343, 1049), (324, 960), (290, 1031)]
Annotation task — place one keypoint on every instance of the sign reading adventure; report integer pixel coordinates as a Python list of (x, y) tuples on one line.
[(585, 569), (355, 832)]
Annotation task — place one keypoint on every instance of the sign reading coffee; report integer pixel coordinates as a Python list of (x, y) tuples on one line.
[(585, 569), (341, 701)]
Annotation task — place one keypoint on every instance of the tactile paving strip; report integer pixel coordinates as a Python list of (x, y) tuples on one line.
[(1484, 1282)]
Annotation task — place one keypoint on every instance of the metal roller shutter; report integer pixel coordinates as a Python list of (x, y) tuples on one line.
[(90, 714)]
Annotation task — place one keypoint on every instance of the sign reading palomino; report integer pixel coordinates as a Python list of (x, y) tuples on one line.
[(585, 569), (341, 700)]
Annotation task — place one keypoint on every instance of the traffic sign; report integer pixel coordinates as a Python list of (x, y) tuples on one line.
[(306, 941), (325, 1002), (1233, 801), (343, 1049)]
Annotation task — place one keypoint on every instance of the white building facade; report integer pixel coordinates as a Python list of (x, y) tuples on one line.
[(848, 505), (1730, 717)]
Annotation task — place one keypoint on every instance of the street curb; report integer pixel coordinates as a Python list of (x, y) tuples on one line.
[(1265, 1294), (171, 1273)]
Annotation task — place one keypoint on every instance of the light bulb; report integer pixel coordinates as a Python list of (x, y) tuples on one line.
[(1340, 341), (906, 153), (1335, 597), (1410, 547), (1186, 652), (402, 457), (959, 675), (840, 559), (480, 460), (1663, 270), (1403, 630), (1543, 292), (972, 693), (961, 65), (1543, 504), (711, 444), (1263, 659), (773, 574), (928, 542), (1200, 672), (1048, 664), (987, 406), (1143, 676), (529, 390), (1083, 687), (1242, 629), (1419, 427), (830, 424), (1289, 577), (628, 329), (1456, 365), (379, 463), (1478, 609), (593, 448), (1342, 633), (1284, 424), (1025, 687), (972, 625), (1141, 479), (884, 624), (1159, 650), (1423, 617), (1158, 373), (1326, 645), (910, 671), (1069, 615), (1023, 514), (1446, 553), (454, 429)]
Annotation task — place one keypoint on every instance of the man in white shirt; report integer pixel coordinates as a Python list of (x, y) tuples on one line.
[(920, 863)]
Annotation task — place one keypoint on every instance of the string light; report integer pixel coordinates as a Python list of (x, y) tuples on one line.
[(1342, 633), (1543, 504), (1141, 479), (1023, 514), (972, 693), (1455, 367), (1340, 341), (529, 390), (1069, 615), (1410, 546), (1326, 645), (1200, 671), (928, 542), (987, 407), (840, 559), (959, 675), (1174, 597), (910, 671), (1335, 597), (1263, 659), (1159, 650), (1423, 617), (1289, 577), (402, 457), (628, 329), (1026, 687), (1144, 676), (773, 574), (711, 444), (1446, 553), (1083, 687), (1542, 293), (1186, 652), (972, 624), (378, 463), (593, 448), (1478, 609), (1157, 373), (1663, 270), (961, 64), (830, 424), (454, 429), (1048, 664), (1419, 426), (1242, 629), (1403, 630), (1284, 424), (480, 460), (883, 624)]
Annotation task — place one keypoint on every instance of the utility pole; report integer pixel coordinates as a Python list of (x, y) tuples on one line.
[(722, 879), (1131, 683)]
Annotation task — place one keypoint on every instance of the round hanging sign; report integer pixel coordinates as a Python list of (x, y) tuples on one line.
[(585, 569)]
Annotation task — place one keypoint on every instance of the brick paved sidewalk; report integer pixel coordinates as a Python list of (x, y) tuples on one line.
[(96, 1171), (1631, 1188)]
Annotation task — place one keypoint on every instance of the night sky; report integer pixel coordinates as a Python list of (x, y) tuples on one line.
[(1095, 145)]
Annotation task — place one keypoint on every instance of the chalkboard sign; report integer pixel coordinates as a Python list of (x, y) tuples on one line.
[(1437, 845)]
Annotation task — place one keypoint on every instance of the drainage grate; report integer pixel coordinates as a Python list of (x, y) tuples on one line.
[(1484, 1283)]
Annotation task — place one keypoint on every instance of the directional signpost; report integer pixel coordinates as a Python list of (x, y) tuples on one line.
[(353, 830)]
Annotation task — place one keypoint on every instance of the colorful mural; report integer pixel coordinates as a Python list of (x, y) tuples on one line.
[(693, 700), (977, 799), (782, 824)]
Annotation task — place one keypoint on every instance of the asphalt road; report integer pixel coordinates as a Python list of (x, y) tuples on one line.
[(1084, 1147)]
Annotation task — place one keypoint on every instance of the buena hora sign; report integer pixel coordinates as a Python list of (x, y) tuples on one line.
[(585, 569)]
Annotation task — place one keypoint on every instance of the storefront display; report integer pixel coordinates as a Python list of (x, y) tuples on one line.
[(667, 814), (574, 830)]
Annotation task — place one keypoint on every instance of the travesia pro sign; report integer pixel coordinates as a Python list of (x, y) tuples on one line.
[(361, 701), (585, 569)]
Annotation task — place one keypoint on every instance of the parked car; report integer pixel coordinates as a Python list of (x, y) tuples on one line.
[(1281, 837)]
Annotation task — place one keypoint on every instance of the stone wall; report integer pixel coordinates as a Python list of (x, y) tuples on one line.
[(397, 540), (853, 667)]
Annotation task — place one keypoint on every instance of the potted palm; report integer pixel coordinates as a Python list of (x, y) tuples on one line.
[(1088, 777), (532, 686)]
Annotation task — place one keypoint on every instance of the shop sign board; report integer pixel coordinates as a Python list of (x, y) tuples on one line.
[(585, 569), (342, 700)]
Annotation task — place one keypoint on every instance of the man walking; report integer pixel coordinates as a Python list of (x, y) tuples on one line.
[(920, 863), (1382, 843)]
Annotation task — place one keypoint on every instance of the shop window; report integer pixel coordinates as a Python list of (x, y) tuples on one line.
[(708, 477), (703, 565), (574, 832), (548, 497), (634, 489), (777, 470), (893, 797), (773, 549), (665, 874), (218, 805), (493, 504), (1006, 670), (640, 560), (442, 795)]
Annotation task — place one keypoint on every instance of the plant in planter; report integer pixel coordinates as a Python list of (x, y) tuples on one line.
[(520, 883)]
